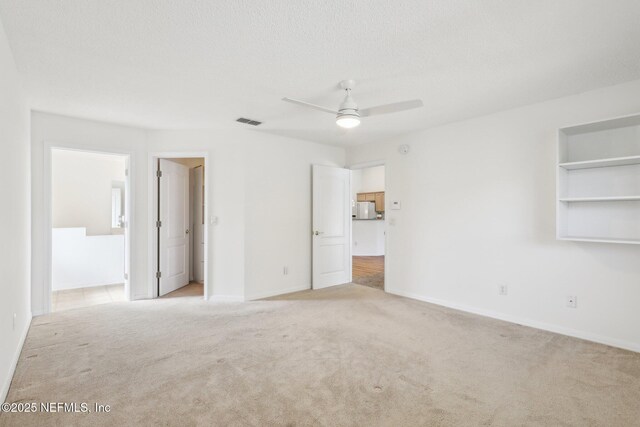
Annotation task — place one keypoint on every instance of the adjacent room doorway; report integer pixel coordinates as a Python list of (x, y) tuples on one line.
[(348, 226), (368, 226), (89, 219)]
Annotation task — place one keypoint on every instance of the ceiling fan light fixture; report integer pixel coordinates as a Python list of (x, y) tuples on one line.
[(348, 121), (348, 114)]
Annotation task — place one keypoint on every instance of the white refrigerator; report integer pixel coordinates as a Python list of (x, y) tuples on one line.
[(365, 210)]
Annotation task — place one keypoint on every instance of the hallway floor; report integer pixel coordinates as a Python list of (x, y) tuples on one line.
[(193, 289), (84, 297), (368, 271)]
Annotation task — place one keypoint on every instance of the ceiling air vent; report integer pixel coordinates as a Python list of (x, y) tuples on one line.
[(249, 121)]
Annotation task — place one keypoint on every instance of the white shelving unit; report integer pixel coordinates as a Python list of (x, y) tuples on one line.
[(598, 187), (601, 163)]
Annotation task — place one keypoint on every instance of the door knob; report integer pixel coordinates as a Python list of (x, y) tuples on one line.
[(187, 231), (317, 233)]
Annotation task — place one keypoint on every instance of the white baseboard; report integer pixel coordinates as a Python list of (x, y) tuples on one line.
[(600, 339), (14, 362), (275, 293), (226, 298)]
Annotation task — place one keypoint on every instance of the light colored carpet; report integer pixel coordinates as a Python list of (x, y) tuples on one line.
[(348, 356)]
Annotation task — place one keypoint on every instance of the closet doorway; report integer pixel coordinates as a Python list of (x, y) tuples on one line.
[(179, 227)]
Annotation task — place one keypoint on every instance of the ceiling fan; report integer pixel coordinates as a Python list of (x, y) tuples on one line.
[(348, 114)]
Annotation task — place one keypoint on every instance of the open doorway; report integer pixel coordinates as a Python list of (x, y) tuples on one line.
[(89, 207), (180, 227), (368, 226)]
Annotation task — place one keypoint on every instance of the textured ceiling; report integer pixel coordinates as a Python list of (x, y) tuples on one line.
[(201, 64)]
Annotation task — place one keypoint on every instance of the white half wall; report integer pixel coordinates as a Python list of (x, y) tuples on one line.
[(15, 312), (80, 261), (478, 211), (367, 237), (81, 184)]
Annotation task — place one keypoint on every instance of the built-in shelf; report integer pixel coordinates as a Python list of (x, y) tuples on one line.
[(602, 163), (601, 199), (614, 169), (600, 240)]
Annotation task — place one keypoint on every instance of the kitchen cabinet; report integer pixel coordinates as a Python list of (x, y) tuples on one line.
[(377, 197)]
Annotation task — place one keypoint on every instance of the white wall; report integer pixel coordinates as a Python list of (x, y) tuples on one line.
[(81, 185), (15, 313), (80, 261), (278, 212), (368, 180), (478, 211), (190, 162)]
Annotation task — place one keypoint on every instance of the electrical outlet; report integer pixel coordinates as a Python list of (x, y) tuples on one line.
[(572, 301), (503, 290)]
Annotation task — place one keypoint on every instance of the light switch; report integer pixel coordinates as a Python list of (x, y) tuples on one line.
[(395, 206), (213, 220)]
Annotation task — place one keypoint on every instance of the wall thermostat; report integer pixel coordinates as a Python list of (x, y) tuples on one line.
[(403, 149)]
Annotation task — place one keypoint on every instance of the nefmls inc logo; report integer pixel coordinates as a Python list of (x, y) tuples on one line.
[(66, 407)]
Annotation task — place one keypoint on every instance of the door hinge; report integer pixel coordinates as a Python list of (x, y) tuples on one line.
[(126, 276), (158, 274), (159, 174), (126, 172), (158, 224)]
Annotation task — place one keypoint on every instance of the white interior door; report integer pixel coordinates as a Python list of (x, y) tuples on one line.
[(331, 226), (174, 226), (198, 224)]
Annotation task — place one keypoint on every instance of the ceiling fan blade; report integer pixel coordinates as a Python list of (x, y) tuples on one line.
[(391, 108), (306, 104)]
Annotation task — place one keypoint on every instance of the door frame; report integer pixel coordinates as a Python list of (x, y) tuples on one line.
[(152, 244), (47, 175), (365, 165)]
